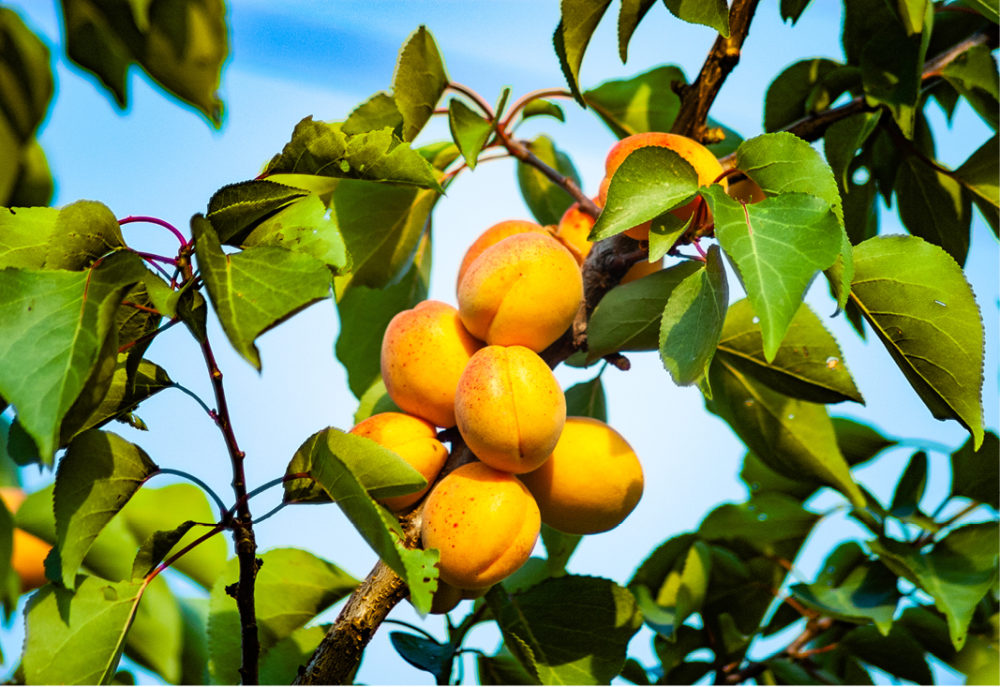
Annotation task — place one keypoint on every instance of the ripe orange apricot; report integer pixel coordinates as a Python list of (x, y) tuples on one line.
[(509, 408), (494, 234), (29, 552), (424, 351), (524, 290), (483, 521), (415, 440), (591, 482), (698, 156)]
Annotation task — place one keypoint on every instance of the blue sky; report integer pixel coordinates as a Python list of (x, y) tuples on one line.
[(309, 57)]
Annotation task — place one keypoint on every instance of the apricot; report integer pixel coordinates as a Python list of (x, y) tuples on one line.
[(509, 408), (591, 482), (483, 521), (29, 552), (415, 440), (424, 351), (524, 290), (698, 156), (492, 235), (641, 269)]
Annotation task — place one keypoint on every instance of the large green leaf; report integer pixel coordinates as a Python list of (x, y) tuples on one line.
[(53, 325), (569, 630), (974, 75), (303, 226), (628, 317), (336, 461), (578, 20), (68, 238), (323, 149), (98, 475), (711, 13), (364, 314), (234, 209), (182, 46), (292, 587), (778, 246), (545, 199), (915, 297), (646, 102), (76, 637), (957, 572), (795, 438), (469, 130), (418, 81), (932, 206), (975, 474), (852, 588), (158, 510), (796, 92), (650, 181), (692, 321), (257, 288), (767, 522), (809, 364), (156, 637)]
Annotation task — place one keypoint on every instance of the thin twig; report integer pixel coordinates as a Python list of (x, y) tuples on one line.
[(155, 220)]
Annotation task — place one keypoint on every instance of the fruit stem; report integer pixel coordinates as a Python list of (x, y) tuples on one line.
[(527, 98)]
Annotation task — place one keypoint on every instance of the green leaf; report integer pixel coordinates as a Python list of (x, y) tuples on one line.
[(850, 587), (53, 326), (469, 130), (912, 13), (797, 92), (257, 288), (795, 438), (628, 317), (646, 102), (987, 8), (76, 637), (183, 51), (629, 16), (379, 471), (382, 226), (760, 478), (568, 630), (502, 669), (957, 572), (539, 108), (279, 665), (917, 300), (364, 314), (933, 207), (692, 321), (974, 474), (28, 82), (859, 442), (34, 185), (375, 400), (424, 653), (194, 652), (778, 245), (650, 181), (979, 176), (152, 511), (156, 637), (578, 20), (559, 546), (910, 488), (809, 364), (303, 226), (897, 653), (711, 13), (235, 209), (842, 141), (680, 593), (69, 238), (337, 463), (418, 81), (292, 587), (155, 549), (378, 112), (767, 522), (98, 475), (546, 200), (323, 149), (974, 75), (587, 399)]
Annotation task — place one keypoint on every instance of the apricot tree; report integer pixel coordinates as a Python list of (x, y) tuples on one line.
[(466, 453)]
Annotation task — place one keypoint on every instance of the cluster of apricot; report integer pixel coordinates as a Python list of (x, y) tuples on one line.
[(478, 367)]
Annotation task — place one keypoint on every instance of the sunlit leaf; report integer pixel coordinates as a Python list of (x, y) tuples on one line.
[(469, 130), (303, 226), (235, 209), (629, 16), (418, 81), (712, 13), (68, 238), (578, 20), (646, 102), (979, 175)]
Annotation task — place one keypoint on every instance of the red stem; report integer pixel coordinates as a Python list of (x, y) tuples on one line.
[(155, 220)]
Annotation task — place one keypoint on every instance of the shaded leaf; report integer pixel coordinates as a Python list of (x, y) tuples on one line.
[(424, 653), (156, 547), (793, 93), (897, 654), (304, 226), (932, 206), (711, 13), (628, 317), (418, 81), (256, 289), (910, 488), (680, 593), (766, 522), (559, 546), (28, 82), (235, 209), (629, 16), (974, 75), (859, 442), (646, 102), (809, 364), (917, 300), (155, 639), (587, 399), (841, 143), (974, 474), (539, 108), (546, 200), (979, 176), (469, 130), (502, 669), (578, 20), (68, 238), (568, 630), (692, 321), (280, 664)]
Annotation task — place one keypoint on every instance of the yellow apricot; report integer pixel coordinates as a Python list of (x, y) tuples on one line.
[(509, 408), (591, 482), (572, 231), (698, 156), (495, 234), (29, 552), (424, 351), (524, 290), (483, 521), (415, 440)]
